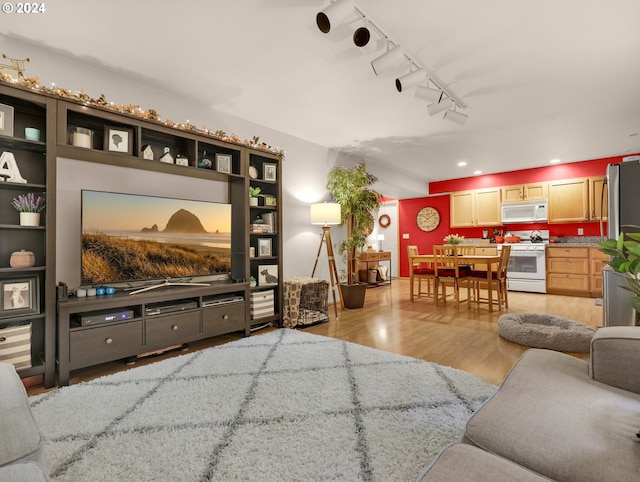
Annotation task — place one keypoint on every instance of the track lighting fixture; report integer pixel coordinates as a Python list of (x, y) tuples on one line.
[(392, 57), (455, 116), (442, 98), (336, 12), (444, 104), (410, 80), (429, 93), (361, 36)]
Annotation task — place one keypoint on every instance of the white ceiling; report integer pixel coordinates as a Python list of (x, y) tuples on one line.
[(544, 79)]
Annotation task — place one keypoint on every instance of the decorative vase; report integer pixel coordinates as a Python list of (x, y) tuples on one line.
[(29, 219), (22, 259)]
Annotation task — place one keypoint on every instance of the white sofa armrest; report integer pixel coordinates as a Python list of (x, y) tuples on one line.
[(615, 357)]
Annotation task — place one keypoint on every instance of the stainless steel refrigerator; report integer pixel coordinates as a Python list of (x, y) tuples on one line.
[(623, 217)]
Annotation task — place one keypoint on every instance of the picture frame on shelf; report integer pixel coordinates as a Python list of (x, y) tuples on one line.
[(19, 296), (269, 200), (6, 120), (269, 171), (267, 274), (223, 163), (118, 139), (264, 247)]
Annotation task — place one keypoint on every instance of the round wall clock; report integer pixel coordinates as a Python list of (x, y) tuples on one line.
[(428, 219)]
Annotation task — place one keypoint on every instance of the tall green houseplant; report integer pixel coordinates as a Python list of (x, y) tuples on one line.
[(351, 188), (625, 258)]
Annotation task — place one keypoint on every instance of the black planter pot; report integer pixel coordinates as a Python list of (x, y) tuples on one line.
[(353, 295)]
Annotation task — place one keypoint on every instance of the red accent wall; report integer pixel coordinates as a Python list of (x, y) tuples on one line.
[(439, 199), (596, 167)]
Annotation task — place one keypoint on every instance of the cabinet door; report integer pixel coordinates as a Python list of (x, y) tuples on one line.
[(569, 200), (512, 193), (462, 209), (488, 207), (563, 282), (521, 192), (598, 259), (598, 205), (535, 191)]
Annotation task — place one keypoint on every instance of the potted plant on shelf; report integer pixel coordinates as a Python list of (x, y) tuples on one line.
[(625, 258), (253, 195), (351, 188), (30, 206)]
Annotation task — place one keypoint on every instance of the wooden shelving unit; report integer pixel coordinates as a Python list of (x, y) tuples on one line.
[(201, 156)]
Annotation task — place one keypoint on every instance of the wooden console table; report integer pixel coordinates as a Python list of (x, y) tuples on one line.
[(375, 257)]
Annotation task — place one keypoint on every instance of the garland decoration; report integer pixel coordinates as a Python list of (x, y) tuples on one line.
[(33, 83)]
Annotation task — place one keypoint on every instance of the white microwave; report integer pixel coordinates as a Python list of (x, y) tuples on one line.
[(526, 212)]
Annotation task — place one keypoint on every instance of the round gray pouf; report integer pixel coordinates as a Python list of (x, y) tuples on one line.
[(539, 330)]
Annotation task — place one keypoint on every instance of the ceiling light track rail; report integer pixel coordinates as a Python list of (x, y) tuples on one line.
[(428, 85)]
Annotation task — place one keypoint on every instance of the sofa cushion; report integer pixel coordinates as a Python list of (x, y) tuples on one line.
[(551, 417), (461, 462), (20, 438), (26, 472)]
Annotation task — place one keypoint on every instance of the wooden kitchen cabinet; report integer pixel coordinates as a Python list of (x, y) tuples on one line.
[(596, 262), (478, 207), (568, 270), (598, 205), (569, 200), (524, 192)]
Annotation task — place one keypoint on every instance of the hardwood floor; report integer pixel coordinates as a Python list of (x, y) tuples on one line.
[(464, 338)]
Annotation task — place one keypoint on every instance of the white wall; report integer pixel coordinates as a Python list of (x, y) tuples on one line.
[(304, 169)]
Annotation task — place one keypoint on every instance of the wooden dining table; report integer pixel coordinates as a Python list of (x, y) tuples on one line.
[(467, 259)]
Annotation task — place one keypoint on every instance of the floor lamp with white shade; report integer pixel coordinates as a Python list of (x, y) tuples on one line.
[(327, 215)]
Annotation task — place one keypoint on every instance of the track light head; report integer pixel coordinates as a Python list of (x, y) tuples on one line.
[(455, 116), (390, 58), (436, 108), (410, 80), (361, 36), (335, 12), (429, 93)]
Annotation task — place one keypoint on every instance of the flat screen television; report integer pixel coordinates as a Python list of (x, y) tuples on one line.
[(129, 238)]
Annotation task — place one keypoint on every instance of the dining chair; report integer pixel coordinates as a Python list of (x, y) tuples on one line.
[(420, 270), (448, 270), (498, 281), (465, 250)]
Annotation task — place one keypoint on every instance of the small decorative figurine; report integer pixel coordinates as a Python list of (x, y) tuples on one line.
[(147, 152), (166, 157)]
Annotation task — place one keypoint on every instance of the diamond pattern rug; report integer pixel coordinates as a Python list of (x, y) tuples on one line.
[(285, 405)]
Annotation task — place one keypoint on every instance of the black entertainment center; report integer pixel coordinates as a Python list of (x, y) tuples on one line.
[(69, 332), (154, 320)]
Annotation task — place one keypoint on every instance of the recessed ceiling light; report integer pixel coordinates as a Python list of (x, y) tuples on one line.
[(555, 161), (477, 172), (462, 164)]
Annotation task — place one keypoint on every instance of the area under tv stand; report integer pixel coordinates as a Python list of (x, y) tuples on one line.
[(219, 308), (164, 284)]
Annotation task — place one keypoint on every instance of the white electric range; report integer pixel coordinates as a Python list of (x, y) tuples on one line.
[(527, 268)]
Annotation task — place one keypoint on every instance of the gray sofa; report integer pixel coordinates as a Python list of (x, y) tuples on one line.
[(20, 438), (556, 417)]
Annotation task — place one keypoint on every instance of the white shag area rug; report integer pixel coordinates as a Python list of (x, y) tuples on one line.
[(281, 406)]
